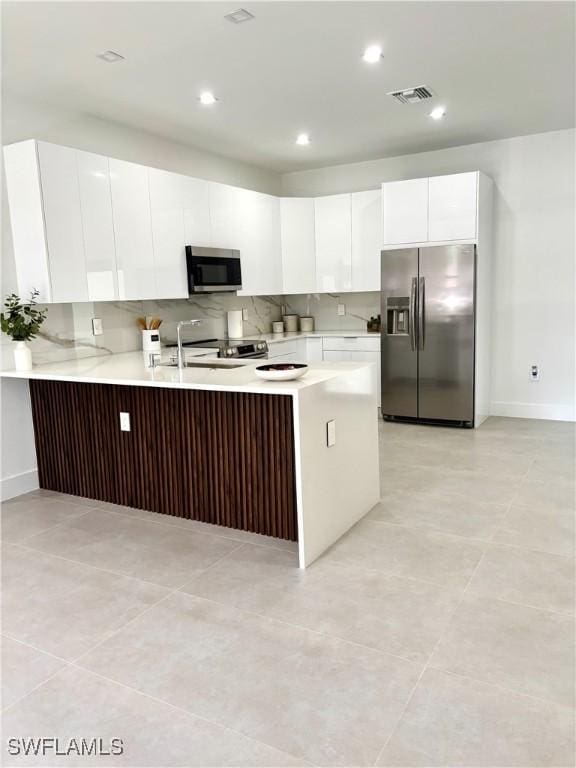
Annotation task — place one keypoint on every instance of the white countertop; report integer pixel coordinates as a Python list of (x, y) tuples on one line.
[(130, 368)]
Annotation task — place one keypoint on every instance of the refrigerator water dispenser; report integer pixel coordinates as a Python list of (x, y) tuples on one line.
[(397, 316)]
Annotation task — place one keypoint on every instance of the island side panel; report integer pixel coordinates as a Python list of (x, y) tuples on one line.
[(336, 485), (225, 458)]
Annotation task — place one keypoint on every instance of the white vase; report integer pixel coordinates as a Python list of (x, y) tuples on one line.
[(22, 357)]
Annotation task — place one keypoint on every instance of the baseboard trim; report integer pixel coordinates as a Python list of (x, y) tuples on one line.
[(16, 485), (534, 411)]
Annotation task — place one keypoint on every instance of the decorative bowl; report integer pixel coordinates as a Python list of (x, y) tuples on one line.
[(281, 371)]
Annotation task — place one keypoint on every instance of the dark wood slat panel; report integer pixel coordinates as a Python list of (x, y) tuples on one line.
[(220, 457)]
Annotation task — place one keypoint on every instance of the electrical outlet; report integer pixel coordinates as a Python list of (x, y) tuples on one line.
[(534, 373), (341, 309), (97, 328), (331, 433), (245, 313), (124, 421)]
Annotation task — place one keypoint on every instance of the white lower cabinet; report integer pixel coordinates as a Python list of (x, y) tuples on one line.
[(354, 349), (293, 349), (314, 349), (132, 230)]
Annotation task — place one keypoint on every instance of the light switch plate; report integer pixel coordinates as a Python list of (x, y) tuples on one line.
[(97, 327), (245, 313), (124, 421), (331, 433), (341, 309)]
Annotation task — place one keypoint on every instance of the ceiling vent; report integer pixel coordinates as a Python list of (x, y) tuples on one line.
[(239, 16), (412, 95)]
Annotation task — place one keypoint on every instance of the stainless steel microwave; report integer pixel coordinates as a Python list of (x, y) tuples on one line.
[(210, 270)]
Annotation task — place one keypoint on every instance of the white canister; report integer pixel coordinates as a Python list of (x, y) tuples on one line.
[(278, 326), (306, 324), (235, 327), (22, 356), (151, 341), (290, 323)]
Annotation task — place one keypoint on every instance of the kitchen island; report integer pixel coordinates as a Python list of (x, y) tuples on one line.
[(218, 445)]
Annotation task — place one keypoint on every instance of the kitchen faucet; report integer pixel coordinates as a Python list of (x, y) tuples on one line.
[(179, 339)]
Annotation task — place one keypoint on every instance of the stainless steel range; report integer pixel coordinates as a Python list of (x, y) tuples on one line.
[(229, 349)]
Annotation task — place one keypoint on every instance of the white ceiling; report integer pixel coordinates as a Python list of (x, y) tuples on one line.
[(500, 68)]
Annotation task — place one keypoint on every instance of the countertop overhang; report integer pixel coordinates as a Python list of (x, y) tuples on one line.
[(131, 368)]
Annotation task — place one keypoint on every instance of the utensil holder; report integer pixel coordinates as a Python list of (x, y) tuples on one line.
[(151, 341)]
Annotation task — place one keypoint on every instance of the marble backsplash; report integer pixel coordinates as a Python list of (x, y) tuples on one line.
[(67, 332)]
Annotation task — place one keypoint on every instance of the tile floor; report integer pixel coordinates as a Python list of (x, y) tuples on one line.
[(438, 632)]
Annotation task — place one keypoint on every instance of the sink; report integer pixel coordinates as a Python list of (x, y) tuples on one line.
[(206, 364)]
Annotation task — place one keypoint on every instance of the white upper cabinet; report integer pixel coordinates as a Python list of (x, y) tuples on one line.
[(367, 240), (333, 225), (405, 211), (226, 204), (97, 226), (249, 222), (298, 245), (132, 230), (260, 247), (196, 205), (180, 216), (63, 222), (452, 206)]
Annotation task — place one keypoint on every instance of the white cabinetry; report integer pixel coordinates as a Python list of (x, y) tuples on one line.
[(333, 224), (250, 222), (367, 240), (132, 230), (452, 207), (298, 245), (354, 349), (440, 209), (98, 227), (405, 211), (46, 218), (294, 350), (226, 204), (180, 216), (63, 222), (260, 247), (314, 349)]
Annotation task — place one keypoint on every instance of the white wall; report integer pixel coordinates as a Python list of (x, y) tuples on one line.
[(19, 474), (533, 255)]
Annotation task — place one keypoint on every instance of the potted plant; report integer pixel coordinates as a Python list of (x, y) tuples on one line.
[(21, 321)]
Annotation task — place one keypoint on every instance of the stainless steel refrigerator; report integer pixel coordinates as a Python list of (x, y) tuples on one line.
[(428, 321)]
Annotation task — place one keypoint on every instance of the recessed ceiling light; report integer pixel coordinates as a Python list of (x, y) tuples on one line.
[(110, 56), (207, 98), (372, 54), (438, 113), (239, 16), (303, 139)]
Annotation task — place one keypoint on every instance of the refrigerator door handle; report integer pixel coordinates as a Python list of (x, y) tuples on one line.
[(413, 313), (421, 312)]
